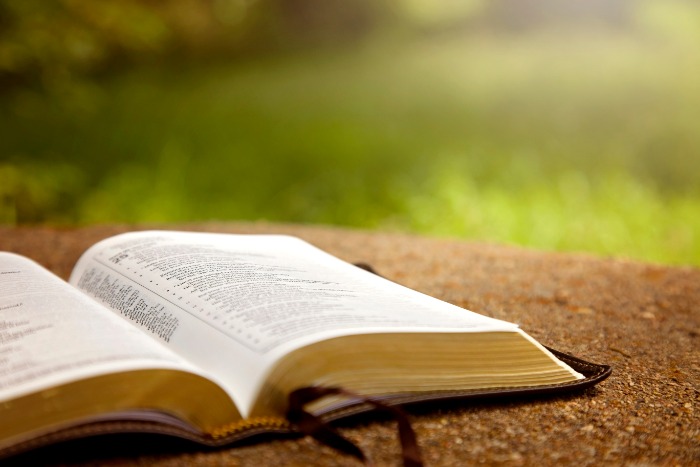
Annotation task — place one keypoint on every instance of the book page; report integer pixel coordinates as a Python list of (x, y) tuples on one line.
[(242, 301), (52, 334)]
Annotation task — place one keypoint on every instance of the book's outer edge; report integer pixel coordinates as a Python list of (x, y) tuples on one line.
[(593, 374)]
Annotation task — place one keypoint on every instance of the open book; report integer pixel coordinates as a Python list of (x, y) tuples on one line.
[(203, 336)]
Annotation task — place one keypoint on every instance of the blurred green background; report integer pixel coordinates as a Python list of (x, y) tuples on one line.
[(554, 124)]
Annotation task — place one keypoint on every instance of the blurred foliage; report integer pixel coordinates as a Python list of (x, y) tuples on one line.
[(555, 124), (50, 44)]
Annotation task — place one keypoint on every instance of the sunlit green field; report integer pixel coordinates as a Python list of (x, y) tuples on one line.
[(571, 142)]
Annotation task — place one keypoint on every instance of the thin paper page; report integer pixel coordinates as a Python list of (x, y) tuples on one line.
[(52, 334), (242, 301)]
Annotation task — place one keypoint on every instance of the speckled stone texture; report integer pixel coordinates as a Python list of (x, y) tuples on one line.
[(642, 319)]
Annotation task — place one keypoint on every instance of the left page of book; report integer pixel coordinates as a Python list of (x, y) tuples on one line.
[(51, 334)]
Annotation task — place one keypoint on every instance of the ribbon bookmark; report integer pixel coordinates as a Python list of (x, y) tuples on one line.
[(313, 426)]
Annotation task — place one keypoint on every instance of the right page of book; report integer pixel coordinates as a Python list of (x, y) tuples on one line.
[(240, 302)]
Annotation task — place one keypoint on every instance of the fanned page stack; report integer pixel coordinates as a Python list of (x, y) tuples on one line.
[(203, 336)]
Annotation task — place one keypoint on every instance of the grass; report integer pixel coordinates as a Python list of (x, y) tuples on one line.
[(573, 142)]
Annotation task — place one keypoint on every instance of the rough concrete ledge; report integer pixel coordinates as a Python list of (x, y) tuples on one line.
[(642, 319)]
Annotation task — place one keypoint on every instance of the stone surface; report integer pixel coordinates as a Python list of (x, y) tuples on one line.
[(642, 319)]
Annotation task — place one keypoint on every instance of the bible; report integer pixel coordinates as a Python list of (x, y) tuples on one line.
[(204, 336)]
